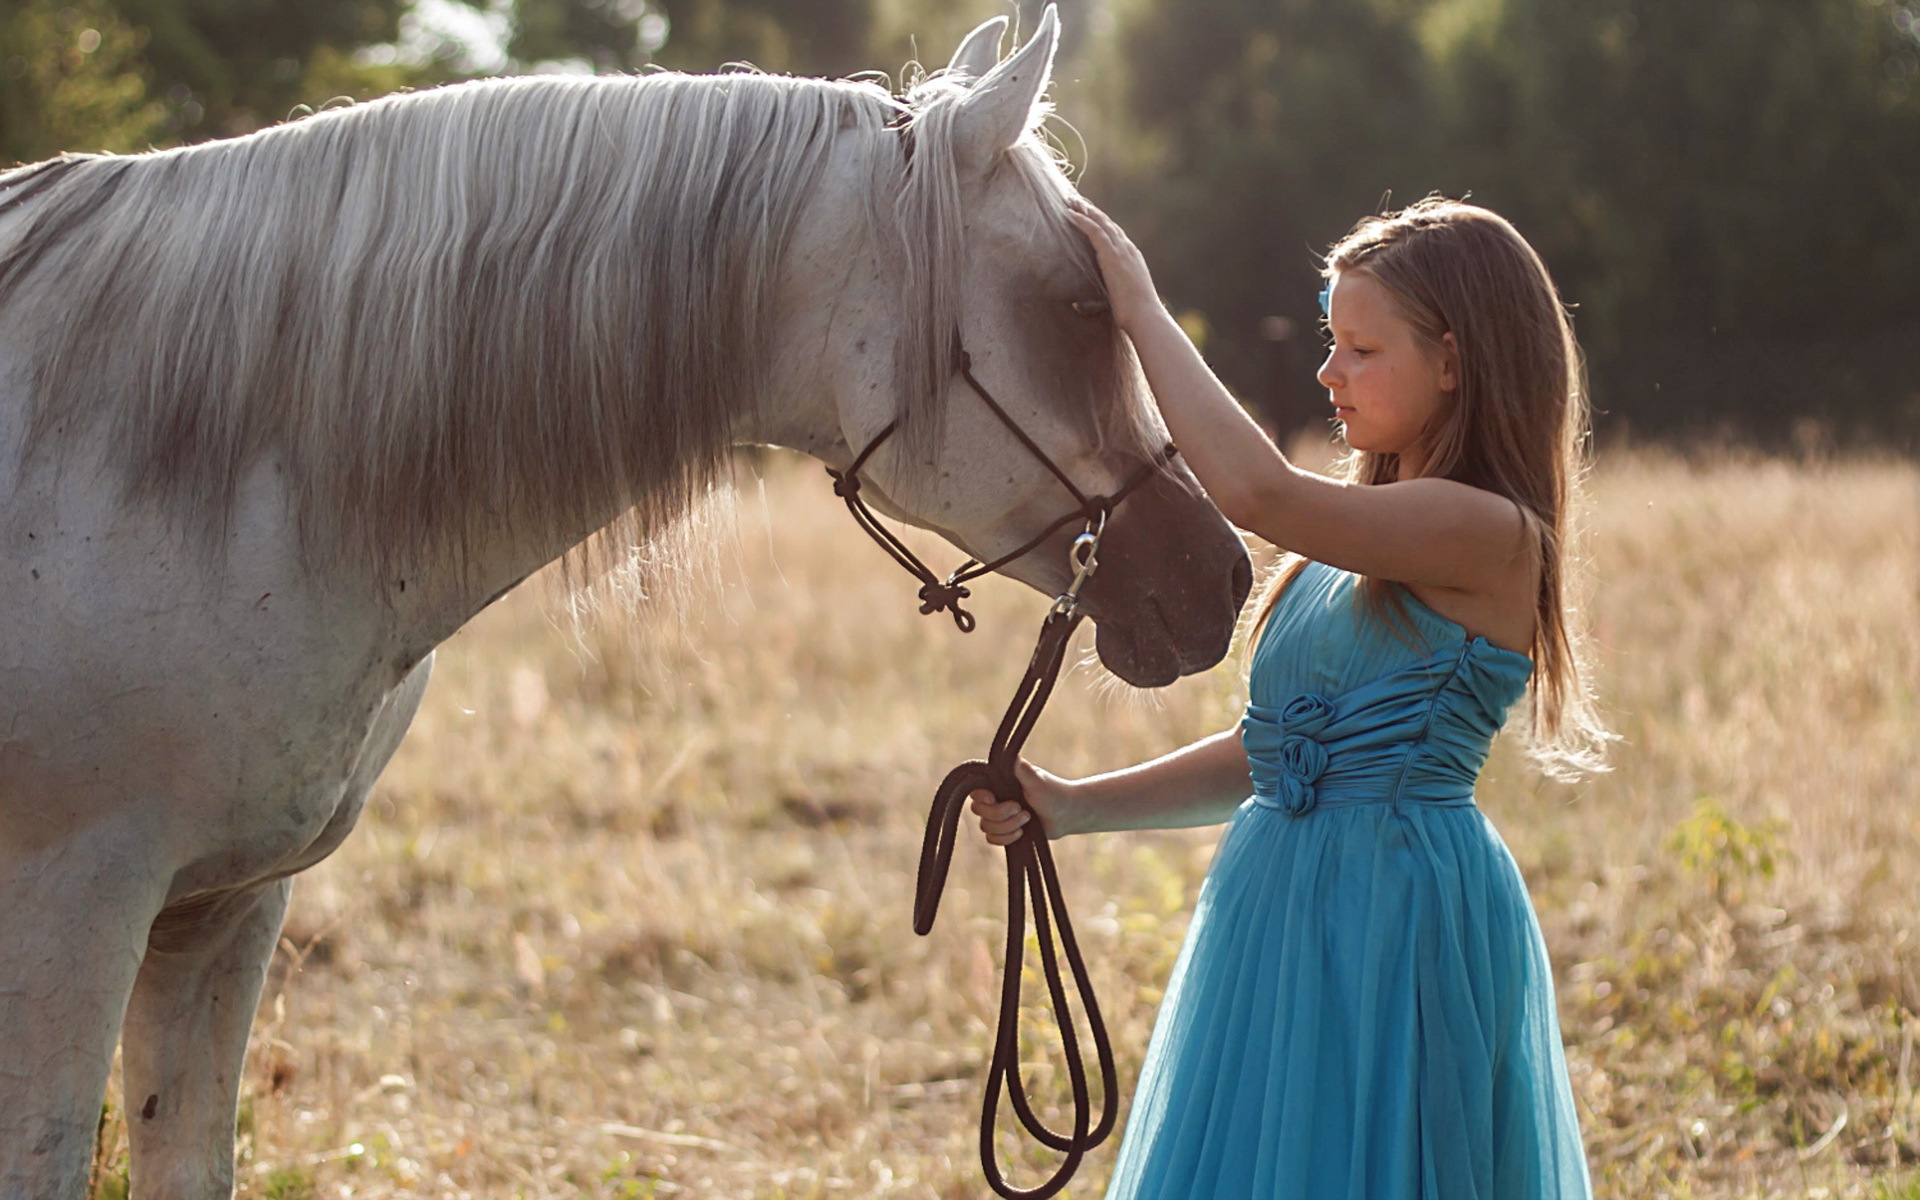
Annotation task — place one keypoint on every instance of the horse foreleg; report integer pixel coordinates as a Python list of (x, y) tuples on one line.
[(185, 1040), (73, 926)]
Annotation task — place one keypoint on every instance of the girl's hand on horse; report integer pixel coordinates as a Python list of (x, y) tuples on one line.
[(1129, 283), (1051, 798)]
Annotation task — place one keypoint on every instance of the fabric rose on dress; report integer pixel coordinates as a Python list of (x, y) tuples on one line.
[(1302, 760), (1282, 753), (1307, 713)]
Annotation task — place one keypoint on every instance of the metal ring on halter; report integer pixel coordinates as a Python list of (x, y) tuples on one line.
[(1082, 556)]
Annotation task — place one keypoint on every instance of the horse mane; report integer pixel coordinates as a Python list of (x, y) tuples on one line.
[(518, 303)]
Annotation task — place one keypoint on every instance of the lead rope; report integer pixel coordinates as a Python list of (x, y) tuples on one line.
[(1030, 870), (1030, 874)]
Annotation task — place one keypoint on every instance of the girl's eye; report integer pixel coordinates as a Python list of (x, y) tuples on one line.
[(1092, 308)]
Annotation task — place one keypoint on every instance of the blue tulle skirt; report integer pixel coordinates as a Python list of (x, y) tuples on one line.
[(1363, 1010)]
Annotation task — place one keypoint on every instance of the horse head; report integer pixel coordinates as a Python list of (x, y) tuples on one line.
[(975, 243)]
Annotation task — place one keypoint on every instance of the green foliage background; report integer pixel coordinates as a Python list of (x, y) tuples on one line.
[(1727, 190)]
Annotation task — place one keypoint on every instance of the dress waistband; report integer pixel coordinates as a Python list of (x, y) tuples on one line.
[(1377, 744), (1323, 798)]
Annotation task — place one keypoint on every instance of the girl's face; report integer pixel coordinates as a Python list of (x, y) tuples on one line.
[(1386, 382)]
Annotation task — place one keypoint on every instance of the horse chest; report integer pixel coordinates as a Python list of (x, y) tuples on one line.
[(222, 718)]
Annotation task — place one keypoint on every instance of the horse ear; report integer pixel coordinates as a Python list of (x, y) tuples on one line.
[(1000, 107), (980, 52)]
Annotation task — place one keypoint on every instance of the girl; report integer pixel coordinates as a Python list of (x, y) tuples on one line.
[(1363, 1007)]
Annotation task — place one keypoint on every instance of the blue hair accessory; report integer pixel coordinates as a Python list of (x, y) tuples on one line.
[(1326, 294)]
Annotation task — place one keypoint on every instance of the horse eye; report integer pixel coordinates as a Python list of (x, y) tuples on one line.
[(1092, 308)]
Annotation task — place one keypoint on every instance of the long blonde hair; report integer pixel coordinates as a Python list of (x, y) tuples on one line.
[(1518, 427)]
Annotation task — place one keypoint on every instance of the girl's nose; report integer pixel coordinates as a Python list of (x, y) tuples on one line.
[(1329, 377)]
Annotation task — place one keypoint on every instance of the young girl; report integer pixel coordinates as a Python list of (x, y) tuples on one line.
[(1364, 1008)]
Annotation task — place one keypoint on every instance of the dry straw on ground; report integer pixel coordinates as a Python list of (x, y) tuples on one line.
[(628, 915)]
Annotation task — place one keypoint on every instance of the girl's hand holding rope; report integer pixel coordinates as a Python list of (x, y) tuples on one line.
[(1054, 800)]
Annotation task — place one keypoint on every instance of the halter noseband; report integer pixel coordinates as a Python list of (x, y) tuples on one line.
[(937, 593)]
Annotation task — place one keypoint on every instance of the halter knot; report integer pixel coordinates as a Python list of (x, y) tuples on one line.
[(948, 595), (846, 484)]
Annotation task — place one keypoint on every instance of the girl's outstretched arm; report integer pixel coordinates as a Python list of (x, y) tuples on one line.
[(1200, 784), (1422, 530)]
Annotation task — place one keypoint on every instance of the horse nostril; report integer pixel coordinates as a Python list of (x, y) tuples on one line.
[(1242, 580)]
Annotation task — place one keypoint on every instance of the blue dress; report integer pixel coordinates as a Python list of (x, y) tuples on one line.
[(1363, 1009)]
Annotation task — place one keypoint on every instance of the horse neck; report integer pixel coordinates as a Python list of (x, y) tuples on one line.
[(817, 352), (468, 353), (795, 410)]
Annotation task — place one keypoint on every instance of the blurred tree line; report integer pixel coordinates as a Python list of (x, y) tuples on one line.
[(1728, 191)]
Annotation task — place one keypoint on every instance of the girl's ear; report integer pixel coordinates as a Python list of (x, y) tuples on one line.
[(1449, 364)]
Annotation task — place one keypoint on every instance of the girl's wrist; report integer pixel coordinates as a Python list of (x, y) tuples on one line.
[(1158, 321), (1136, 321), (1069, 813)]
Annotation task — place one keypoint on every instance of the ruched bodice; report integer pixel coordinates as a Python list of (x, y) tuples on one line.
[(1345, 710), (1363, 1008)]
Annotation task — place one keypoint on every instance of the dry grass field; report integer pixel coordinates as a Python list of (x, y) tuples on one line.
[(628, 916)]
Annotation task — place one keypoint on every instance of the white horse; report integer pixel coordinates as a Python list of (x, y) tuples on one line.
[(279, 414)]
